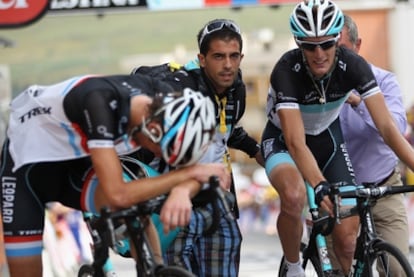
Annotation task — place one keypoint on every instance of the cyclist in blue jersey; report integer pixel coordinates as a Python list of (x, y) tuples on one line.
[(302, 140), (64, 141)]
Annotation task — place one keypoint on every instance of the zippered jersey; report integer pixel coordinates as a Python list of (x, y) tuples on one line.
[(319, 101)]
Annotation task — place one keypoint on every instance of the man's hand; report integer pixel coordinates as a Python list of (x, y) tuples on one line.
[(354, 100), (176, 210), (202, 173), (322, 191)]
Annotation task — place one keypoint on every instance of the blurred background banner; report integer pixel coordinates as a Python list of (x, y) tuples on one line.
[(18, 13)]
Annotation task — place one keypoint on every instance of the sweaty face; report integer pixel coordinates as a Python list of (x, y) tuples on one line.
[(221, 63), (320, 60)]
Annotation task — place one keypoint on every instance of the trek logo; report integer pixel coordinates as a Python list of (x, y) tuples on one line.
[(18, 13), (35, 112)]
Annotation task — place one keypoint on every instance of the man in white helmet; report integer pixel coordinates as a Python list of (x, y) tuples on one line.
[(302, 141), (64, 141)]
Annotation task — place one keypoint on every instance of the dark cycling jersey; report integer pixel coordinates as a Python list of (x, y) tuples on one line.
[(45, 157), (319, 101), (66, 119)]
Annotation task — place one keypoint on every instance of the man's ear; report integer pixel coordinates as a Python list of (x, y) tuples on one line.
[(201, 59), (155, 131), (358, 44), (154, 128)]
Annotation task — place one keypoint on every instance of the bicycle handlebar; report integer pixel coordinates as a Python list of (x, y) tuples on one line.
[(215, 193), (325, 224), (375, 192)]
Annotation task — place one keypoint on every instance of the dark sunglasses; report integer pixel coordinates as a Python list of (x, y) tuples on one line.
[(216, 26), (311, 46)]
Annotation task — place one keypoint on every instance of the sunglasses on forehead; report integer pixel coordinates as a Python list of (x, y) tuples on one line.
[(216, 26), (311, 46)]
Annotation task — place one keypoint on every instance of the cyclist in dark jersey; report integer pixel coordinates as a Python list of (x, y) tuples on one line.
[(302, 140), (64, 138)]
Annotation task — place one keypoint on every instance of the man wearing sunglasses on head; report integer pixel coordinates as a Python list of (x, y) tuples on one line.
[(302, 141), (63, 144), (216, 73)]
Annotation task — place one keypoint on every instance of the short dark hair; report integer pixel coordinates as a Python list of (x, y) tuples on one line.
[(224, 33)]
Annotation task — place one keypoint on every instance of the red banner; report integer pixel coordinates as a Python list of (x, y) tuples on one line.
[(17, 13)]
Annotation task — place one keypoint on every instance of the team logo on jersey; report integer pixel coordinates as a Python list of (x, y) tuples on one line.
[(35, 112), (113, 104), (297, 67), (342, 65)]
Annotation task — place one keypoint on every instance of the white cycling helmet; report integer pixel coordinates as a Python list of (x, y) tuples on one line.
[(316, 18), (188, 123)]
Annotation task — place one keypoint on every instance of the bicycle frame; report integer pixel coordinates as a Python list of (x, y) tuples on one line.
[(367, 242), (136, 226), (315, 239), (104, 237), (368, 237), (101, 259), (136, 219)]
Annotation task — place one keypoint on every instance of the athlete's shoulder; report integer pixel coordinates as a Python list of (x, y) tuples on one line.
[(291, 62), (349, 57), (290, 58)]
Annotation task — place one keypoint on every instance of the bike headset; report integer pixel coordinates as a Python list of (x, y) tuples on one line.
[(186, 125)]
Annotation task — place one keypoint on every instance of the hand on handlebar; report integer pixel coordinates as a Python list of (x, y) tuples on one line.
[(203, 172), (322, 197)]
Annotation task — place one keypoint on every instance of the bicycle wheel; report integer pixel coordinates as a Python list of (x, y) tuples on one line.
[(380, 261), (172, 271)]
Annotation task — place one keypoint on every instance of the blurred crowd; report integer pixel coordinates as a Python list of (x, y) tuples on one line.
[(67, 241), (257, 201)]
